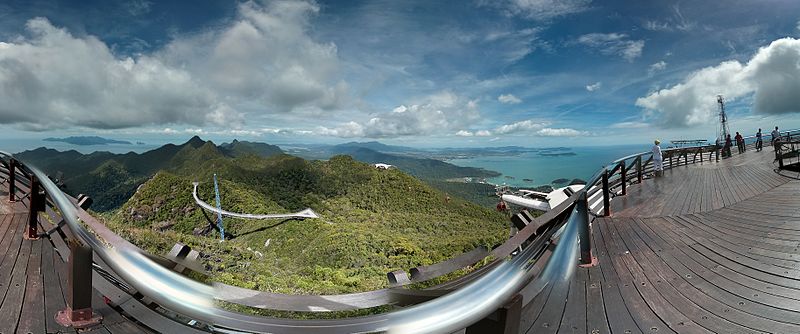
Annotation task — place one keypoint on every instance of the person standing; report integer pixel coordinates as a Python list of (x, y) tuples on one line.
[(759, 142), (658, 161), (776, 136), (739, 142), (728, 145)]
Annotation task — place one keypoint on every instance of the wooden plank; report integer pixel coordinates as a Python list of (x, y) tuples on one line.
[(549, 319), (668, 313), (110, 315), (11, 248), (617, 312), (682, 288), (596, 321), (127, 328), (97, 330), (12, 303), (32, 318), (731, 270), (573, 320), (619, 316), (53, 297), (531, 311), (732, 294), (639, 310)]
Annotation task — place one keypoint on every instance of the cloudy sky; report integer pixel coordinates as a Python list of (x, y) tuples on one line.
[(419, 73)]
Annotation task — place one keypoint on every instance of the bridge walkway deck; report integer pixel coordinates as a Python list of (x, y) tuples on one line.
[(705, 249)]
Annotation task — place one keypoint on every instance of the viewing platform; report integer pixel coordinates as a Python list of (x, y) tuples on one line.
[(709, 247), (34, 281)]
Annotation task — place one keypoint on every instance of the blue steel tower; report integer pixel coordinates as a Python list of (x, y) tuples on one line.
[(219, 208)]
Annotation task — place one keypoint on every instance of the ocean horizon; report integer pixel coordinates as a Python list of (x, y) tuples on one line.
[(539, 169), (544, 169)]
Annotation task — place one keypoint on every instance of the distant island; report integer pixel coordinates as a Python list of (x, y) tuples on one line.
[(549, 154), (88, 140)]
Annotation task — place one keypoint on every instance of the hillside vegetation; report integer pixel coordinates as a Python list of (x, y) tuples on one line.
[(373, 221), (112, 178)]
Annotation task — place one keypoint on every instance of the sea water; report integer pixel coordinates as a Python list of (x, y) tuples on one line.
[(544, 169)]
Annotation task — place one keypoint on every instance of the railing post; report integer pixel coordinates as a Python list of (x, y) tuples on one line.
[(584, 230), (35, 205), (606, 195), (639, 169), (624, 177), (670, 158), (79, 313), (716, 149), (12, 178)]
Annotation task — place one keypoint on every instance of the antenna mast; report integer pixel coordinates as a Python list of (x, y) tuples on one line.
[(723, 130)]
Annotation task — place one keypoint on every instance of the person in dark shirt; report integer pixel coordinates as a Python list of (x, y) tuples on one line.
[(759, 141), (739, 142), (728, 145)]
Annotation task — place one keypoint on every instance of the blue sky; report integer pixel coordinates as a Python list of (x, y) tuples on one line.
[(419, 73)]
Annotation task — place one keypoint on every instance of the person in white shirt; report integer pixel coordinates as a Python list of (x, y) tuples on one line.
[(658, 165)]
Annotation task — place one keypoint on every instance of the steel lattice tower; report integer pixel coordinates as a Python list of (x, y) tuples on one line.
[(723, 130), (219, 207)]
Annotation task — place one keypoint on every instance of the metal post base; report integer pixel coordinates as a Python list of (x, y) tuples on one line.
[(31, 235), (82, 318), (590, 264)]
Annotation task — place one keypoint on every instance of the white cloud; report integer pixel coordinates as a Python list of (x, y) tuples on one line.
[(563, 132), (676, 22), (541, 10), (657, 67), (629, 125), (772, 75), (614, 44), (508, 99), (262, 62), (657, 26), (53, 79), (439, 113), (526, 127), (595, 86), (265, 55), (522, 126)]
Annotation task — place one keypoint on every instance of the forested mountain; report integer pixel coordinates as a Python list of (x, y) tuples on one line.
[(112, 178), (372, 221)]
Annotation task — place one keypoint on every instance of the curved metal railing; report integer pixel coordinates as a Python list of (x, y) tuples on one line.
[(194, 300)]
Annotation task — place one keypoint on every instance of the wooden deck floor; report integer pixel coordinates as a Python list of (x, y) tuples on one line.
[(33, 281), (708, 249)]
